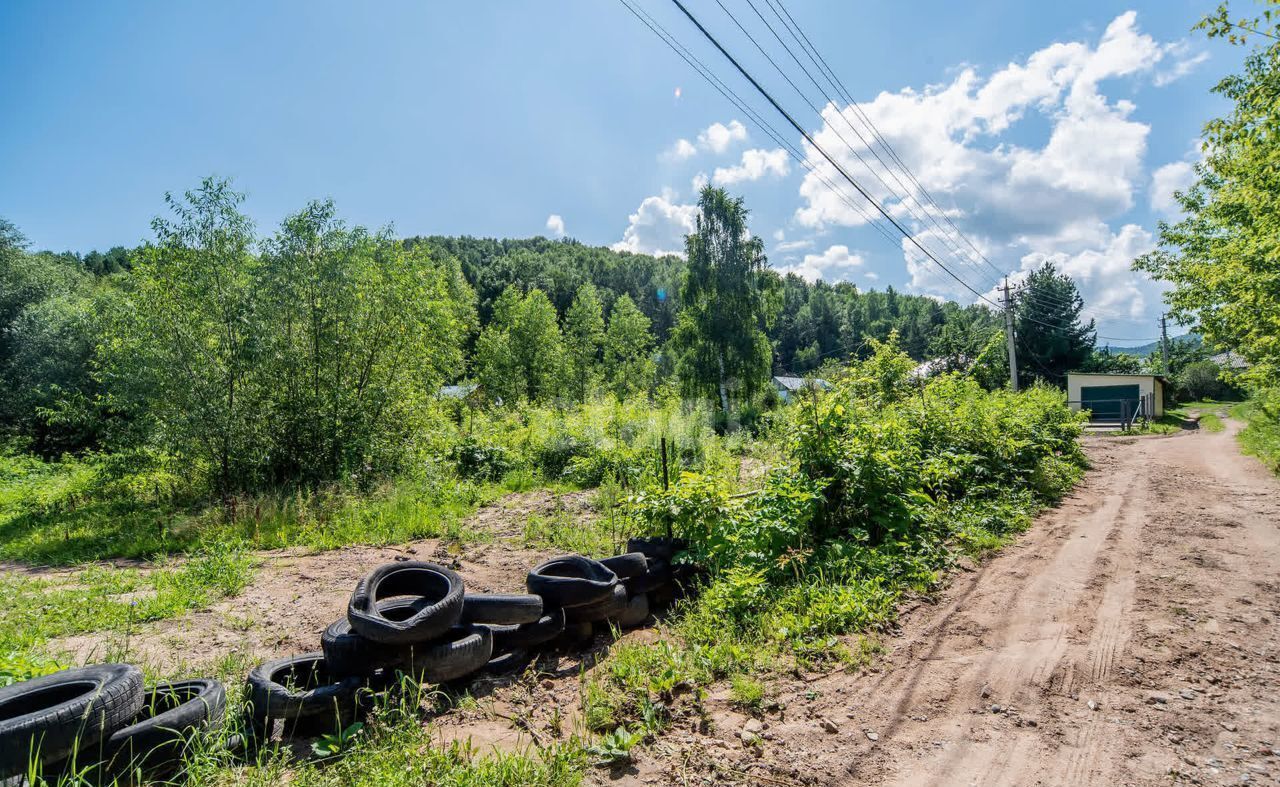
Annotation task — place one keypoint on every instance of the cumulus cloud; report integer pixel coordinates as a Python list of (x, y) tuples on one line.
[(658, 226), (1021, 203), (717, 137), (1177, 176), (1182, 60), (755, 165), (793, 245), (681, 150), (837, 263), (1110, 288), (699, 181), (555, 225)]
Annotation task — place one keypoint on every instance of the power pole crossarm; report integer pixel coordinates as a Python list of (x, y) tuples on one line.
[(1008, 333)]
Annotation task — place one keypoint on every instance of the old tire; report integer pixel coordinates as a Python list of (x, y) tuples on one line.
[(575, 635), (159, 734), (601, 610), (501, 608), (462, 651), (505, 663), (346, 653), (571, 581), (626, 566), (657, 547), (45, 719), (657, 575), (303, 693), (634, 614), (529, 635), (439, 590)]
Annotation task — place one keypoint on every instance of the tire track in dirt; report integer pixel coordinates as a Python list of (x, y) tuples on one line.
[(1129, 637)]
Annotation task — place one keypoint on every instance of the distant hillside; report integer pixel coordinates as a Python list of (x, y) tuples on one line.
[(1143, 350)]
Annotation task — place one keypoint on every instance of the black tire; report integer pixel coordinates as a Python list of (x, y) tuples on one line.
[(657, 547), (158, 735), (346, 653), (462, 651), (634, 614), (658, 575), (601, 610), (47, 718), (529, 635), (512, 661), (501, 608), (575, 635), (571, 581), (440, 590), (632, 564), (301, 692)]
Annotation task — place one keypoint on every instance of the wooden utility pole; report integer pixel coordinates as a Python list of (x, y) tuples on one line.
[(1164, 345), (1008, 333)]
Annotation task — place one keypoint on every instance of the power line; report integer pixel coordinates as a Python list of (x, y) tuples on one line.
[(827, 156), (852, 149)]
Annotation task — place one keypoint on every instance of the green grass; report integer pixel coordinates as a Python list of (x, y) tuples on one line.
[(747, 692), (110, 601), (1261, 435), (561, 530)]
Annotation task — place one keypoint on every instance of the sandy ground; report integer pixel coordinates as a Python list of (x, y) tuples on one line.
[(1130, 637)]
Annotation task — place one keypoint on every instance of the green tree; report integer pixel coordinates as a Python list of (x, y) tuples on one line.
[(583, 337), (628, 349), (725, 303), (1052, 340), (537, 347), (189, 344), (1221, 256), (495, 363)]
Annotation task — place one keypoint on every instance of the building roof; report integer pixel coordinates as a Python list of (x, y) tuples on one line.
[(1159, 377), (1230, 359), (457, 391), (801, 383)]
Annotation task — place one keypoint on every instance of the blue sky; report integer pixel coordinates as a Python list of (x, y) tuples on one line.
[(1046, 130)]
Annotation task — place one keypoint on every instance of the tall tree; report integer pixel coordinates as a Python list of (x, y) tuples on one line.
[(583, 335), (1221, 257), (1052, 340), (537, 347), (495, 363), (725, 304), (628, 349)]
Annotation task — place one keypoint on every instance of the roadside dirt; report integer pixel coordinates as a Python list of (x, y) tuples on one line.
[(1130, 637), (296, 593)]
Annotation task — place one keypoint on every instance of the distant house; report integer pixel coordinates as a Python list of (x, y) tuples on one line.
[(1230, 360), (1116, 397), (457, 391), (788, 387)]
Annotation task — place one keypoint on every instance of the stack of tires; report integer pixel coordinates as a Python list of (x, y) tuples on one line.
[(101, 722), (416, 619)]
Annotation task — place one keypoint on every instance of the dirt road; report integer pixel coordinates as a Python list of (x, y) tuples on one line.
[(1129, 638)]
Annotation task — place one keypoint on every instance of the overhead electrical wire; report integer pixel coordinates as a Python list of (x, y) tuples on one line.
[(809, 138)]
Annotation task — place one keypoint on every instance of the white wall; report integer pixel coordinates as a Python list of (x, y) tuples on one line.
[(1147, 384)]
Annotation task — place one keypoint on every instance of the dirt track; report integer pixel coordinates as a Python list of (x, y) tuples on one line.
[(1129, 638)]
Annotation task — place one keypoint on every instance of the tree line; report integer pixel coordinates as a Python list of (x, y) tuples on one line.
[(316, 352)]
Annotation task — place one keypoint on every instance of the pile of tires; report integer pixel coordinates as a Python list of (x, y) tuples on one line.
[(100, 720), (410, 619), (416, 619)]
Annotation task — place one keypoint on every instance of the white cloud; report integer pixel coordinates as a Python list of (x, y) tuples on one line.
[(1177, 176), (1020, 202), (717, 137), (755, 165), (793, 245), (658, 226), (699, 181), (779, 235), (681, 150), (837, 263), (1183, 62), (1110, 289), (555, 225), (872, 275)]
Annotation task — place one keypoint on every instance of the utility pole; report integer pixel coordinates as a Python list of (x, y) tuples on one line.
[(1008, 333), (1164, 345)]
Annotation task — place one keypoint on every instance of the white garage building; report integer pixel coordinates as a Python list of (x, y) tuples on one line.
[(1116, 397)]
